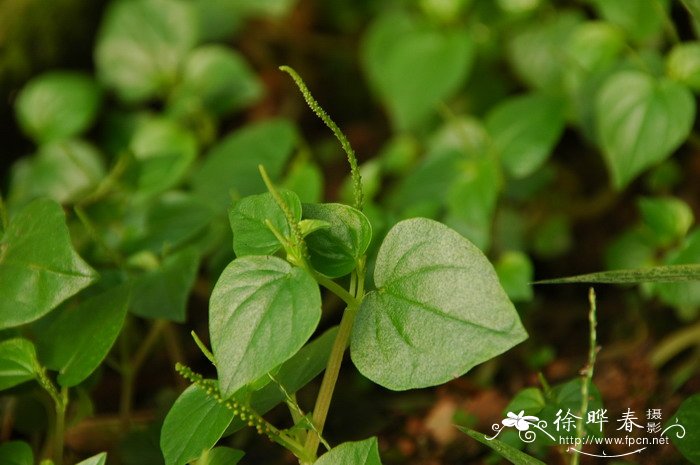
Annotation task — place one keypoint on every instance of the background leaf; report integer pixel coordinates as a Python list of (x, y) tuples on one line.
[(640, 122), (221, 456), (16, 453), (662, 274), (438, 299), (74, 340), (17, 363), (36, 253), (261, 312), (688, 415), (194, 423), (509, 453), (413, 65), (99, 459), (352, 453), (57, 105), (142, 44), (231, 166)]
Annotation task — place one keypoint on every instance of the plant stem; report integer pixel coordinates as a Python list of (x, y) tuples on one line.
[(4, 218), (60, 426), (330, 377), (587, 372), (131, 366), (674, 344)]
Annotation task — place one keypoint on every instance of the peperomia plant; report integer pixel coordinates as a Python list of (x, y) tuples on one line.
[(436, 310)]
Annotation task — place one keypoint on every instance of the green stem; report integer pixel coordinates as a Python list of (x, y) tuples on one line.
[(330, 377), (674, 344), (113, 254), (587, 372), (60, 426), (334, 287), (4, 218)]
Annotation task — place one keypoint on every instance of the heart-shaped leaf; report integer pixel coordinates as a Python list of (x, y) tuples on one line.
[(525, 130), (17, 362), (74, 340), (57, 105), (261, 312), (352, 453), (195, 423), (688, 416), (38, 267), (16, 453), (641, 121), (335, 250), (142, 44), (438, 311), (413, 65), (248, 217)]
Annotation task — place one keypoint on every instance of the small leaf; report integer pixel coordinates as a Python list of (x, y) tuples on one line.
[(335, 250), (669, 218), (231, 166), (684, 296), (57, 105), (261, 312), (525, 130), (515, 271), (413, 65), (16, 453), (248, 217), (221, 456), (439, 309), (195, 423), (216, 79), (656, 274), (688, 416), (163, 151), (509, 453), (683, 64), (17, 362), (93, 326), (163, 292), (38, 267), (641, 19), (142, 44), (352, 453), (99, 459), (62, 170), (640, 122)]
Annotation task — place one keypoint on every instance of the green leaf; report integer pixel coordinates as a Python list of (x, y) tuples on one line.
[(99, 459), (656, 274), (16, 453), (63, 170), (221, 456), (251, 236), (525, 130), (640, 122), (684, 296), (163, 292), (38, 267), (261, 312), (194, 423), (509, 453), (535, 52), (306, 180), (142, 44), (335, 250), (215, 79), (515, 271), (640, 19), (683, 64), (230, 168), (688, 416), (352, 453), (669, 218), (163, 151), (57, 105), (693, 6), (413, 65), (593, 46), (530, 400), (169, 221), (439, 309), (18, 363), (93, 325)]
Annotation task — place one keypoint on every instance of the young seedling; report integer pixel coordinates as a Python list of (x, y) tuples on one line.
[(437, 311)]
